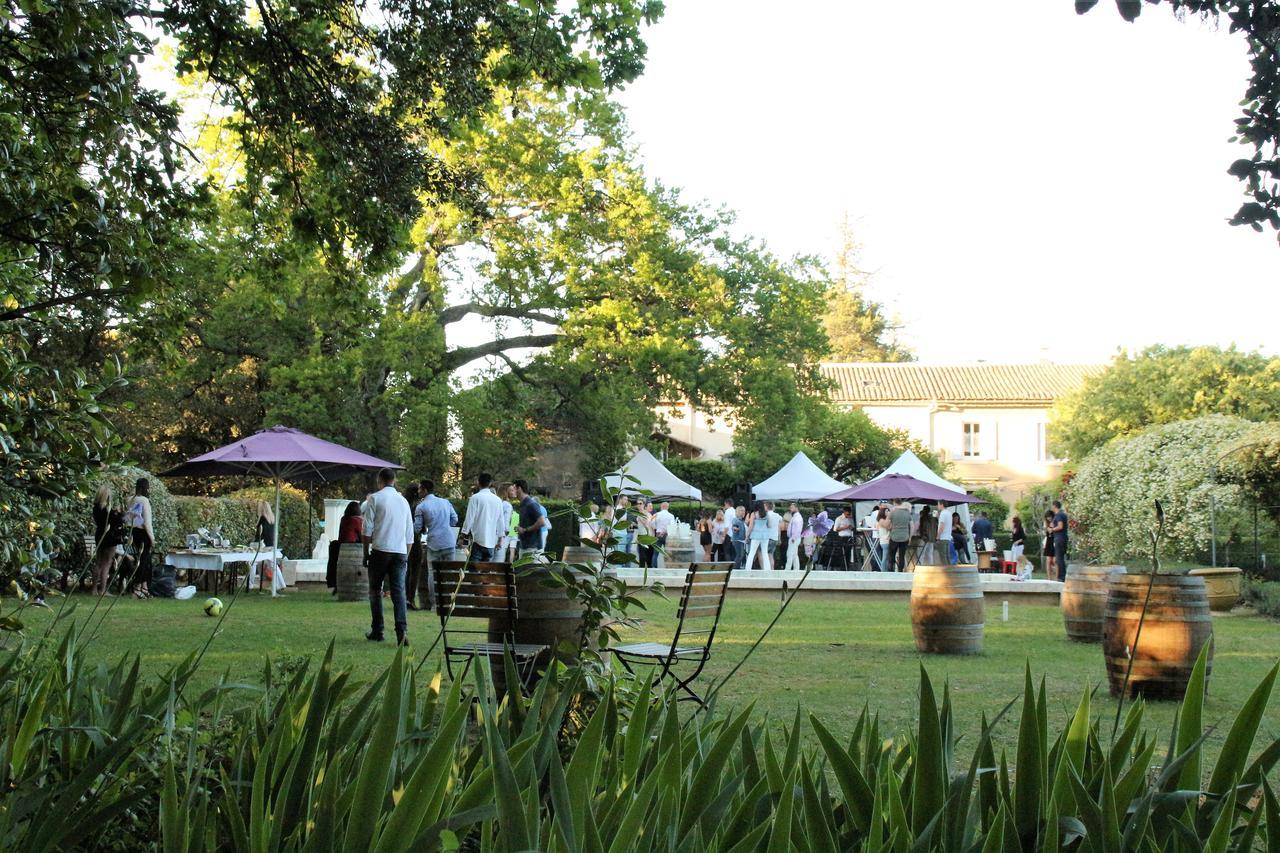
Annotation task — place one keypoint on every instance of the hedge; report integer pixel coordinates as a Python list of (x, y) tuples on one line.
[(238, 517)]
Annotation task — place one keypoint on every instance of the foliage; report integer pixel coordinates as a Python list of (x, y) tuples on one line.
[(402, 763), (54, 434), (1262, 595), (996, 507), (1032, 505), (1257, 125), (93, 213), (1253, 460), (237, 515), (714, 477), (856, 327), (1177, 464), (1161, 385)]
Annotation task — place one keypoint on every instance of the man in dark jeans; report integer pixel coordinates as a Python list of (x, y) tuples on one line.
[(738, 537), (899, 537), (388, 533), (1060, 522)]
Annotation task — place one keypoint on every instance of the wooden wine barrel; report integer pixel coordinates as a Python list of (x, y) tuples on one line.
[(1084, 601), (352, 576), (947, 614), (547, 616), (1176, 627), (1222, 585)]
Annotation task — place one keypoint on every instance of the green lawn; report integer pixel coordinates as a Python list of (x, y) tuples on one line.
[(829, 655)]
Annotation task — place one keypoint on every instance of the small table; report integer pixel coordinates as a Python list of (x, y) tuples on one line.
[(988, 561), (209, 560)]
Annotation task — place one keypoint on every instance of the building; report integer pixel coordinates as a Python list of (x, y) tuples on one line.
[(987, 421)]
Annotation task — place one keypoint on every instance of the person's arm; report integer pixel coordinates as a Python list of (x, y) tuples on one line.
[(420, 518), (146, 520), (368, 525), (471, 514), (410, 534)]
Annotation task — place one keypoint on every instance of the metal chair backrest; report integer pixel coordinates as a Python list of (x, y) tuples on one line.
[(475, 590), (701, 602)]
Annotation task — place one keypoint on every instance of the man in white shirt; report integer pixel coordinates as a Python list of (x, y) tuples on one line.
[(388, 533), (663, 521), (483, 521), (775, 532)]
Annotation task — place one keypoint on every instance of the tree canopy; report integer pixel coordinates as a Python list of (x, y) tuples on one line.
[(1160, 385), (856, 326), (1258, 126)]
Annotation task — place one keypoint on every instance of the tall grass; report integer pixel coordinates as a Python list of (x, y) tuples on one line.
[(99, 757)]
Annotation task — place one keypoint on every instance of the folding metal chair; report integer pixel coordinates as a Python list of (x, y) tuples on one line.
[(487, 591), (698, 617)]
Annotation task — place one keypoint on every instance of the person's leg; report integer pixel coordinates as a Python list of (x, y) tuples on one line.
[(1060, 556), (481, 554), (766, 559), (377, 573), (902, 556), (793, 555), (412, 577), (397, 570), (751, 553)]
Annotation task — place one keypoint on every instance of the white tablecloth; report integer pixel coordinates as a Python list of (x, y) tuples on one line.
[(216, 561)]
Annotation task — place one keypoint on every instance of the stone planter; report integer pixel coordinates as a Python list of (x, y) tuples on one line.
[(1222, 585)]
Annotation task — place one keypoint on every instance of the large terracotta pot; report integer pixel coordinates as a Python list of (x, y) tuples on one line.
[(1223, 586), (1084, 599), (1176, 627), (947, 610)]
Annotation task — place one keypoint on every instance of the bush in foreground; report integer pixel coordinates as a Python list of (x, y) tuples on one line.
[(102, 756)]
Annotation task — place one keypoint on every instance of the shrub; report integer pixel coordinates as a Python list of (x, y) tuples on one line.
[(1263, 596), (312, 760), (1110, 496), (714, 477), (238, 517), (996, 507)]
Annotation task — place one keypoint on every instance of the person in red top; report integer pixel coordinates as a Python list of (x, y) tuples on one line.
[(350, 532)]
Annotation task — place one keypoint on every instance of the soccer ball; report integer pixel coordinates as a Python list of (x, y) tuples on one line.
[(213, 607)]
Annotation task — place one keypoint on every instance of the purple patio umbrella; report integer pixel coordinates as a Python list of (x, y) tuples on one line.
[(902, 487), (281, 453)]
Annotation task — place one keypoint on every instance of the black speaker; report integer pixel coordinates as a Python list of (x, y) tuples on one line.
[(591, 492), (742, 495)]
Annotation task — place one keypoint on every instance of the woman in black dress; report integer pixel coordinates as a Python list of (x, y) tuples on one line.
[(704, 536)]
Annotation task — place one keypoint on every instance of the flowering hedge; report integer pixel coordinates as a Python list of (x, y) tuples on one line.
[(1111, 496)]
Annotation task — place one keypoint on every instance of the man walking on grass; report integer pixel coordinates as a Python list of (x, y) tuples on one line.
[(434, 517), (388, 532)]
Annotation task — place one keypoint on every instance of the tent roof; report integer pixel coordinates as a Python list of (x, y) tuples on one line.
[(653, 477), (798, 480), (910, 464)]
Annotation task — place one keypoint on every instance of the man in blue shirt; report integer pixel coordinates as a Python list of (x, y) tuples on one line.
[(982, 530), (738, 536), (533, 519), (435, 517), (1059, 528)]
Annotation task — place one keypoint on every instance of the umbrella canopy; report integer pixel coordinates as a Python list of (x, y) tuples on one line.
[(901, 487), (284, 454), (798, 480), (653, 477)]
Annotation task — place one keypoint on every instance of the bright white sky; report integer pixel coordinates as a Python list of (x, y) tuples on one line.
[(1026, 183)]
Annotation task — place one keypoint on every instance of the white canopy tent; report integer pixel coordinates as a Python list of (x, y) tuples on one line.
[(653, 477), (798, 480), (909, 463)]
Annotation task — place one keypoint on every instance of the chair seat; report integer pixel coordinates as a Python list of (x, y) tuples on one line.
[(655, 650), (518, 651)]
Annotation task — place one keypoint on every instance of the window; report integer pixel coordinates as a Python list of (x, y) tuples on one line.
[(971, 446)]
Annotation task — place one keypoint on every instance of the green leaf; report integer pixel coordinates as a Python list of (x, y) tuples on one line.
[(928, 788), (1028, 779), (1235, 749), (1191, 723), (375, 768), (27, 731), (853, 784)]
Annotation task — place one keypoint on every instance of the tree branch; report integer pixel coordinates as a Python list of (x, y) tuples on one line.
[(454, 359), (93, 293), (528, 311)]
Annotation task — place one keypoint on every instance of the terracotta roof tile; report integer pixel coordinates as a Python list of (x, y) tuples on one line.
[(872, 382)]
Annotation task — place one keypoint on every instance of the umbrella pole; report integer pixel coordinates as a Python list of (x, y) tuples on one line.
[(276, 544)]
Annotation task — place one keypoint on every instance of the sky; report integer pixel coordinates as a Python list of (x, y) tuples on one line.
[(1025, 183)]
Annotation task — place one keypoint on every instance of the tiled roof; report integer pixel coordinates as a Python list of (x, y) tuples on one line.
[(872, 382)]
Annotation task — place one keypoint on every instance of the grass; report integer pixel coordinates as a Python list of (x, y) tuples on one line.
[(827, 655)]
